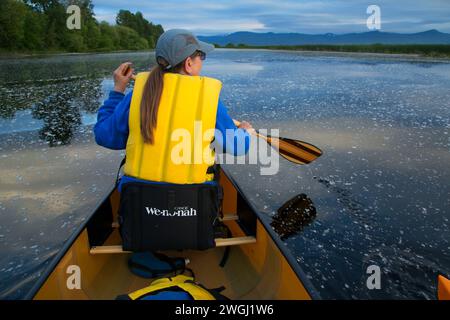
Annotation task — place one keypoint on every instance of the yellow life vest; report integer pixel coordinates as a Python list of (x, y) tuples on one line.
[(183, 282), (185, 126)]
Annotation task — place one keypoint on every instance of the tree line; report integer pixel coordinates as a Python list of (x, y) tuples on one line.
[(40, 25), (427, 50)]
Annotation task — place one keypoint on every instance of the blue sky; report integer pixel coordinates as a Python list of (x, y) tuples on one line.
[(211, 17)]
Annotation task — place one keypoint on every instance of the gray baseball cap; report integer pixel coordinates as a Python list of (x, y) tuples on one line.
[(175, 45)]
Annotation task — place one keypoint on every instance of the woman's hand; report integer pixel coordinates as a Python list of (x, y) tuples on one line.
[(122, 76), (246, 126)]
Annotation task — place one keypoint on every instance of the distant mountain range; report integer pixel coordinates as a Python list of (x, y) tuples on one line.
[(270, 38)]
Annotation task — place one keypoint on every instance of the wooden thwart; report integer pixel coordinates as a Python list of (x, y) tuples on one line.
[(107, 250), (220, 242), (223, 242)]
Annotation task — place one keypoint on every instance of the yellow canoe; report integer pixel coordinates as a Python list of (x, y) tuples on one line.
[(443, 288), (259, 266)]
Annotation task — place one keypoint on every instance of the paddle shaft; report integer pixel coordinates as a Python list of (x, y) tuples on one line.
[(296, 151), (254, 132)]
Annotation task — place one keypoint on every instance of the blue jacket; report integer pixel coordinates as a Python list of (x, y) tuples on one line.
[(111, 130)]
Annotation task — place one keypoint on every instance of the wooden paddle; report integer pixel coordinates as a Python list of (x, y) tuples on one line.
[(296, 151)]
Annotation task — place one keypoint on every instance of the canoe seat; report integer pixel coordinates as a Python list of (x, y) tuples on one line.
[(115, 225), (220, 242)]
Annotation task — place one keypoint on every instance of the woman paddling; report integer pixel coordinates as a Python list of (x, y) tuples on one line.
[(165, 126)]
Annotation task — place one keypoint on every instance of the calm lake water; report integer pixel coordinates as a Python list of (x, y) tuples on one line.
[(381, 190)]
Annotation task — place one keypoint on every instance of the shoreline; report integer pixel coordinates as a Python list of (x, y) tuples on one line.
[(21, 55), (400, 56), (363, 54)]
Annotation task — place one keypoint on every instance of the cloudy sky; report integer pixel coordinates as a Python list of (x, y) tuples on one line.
[(211, 17)]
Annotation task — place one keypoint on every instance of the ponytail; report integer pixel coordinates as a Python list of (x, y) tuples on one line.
[(150, 102), (152, 95)]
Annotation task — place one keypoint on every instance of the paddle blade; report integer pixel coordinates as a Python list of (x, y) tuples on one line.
[(293, 216), (296, 151)]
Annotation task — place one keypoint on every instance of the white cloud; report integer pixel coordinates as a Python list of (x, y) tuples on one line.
[(308, 16)]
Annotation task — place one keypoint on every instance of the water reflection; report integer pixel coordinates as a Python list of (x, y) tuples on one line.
[(60, 92), (61, 109), (58, 103), (293, 216)]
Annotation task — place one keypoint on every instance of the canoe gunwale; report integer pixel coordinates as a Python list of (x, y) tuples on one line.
[(312, 291), (65, 248)]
